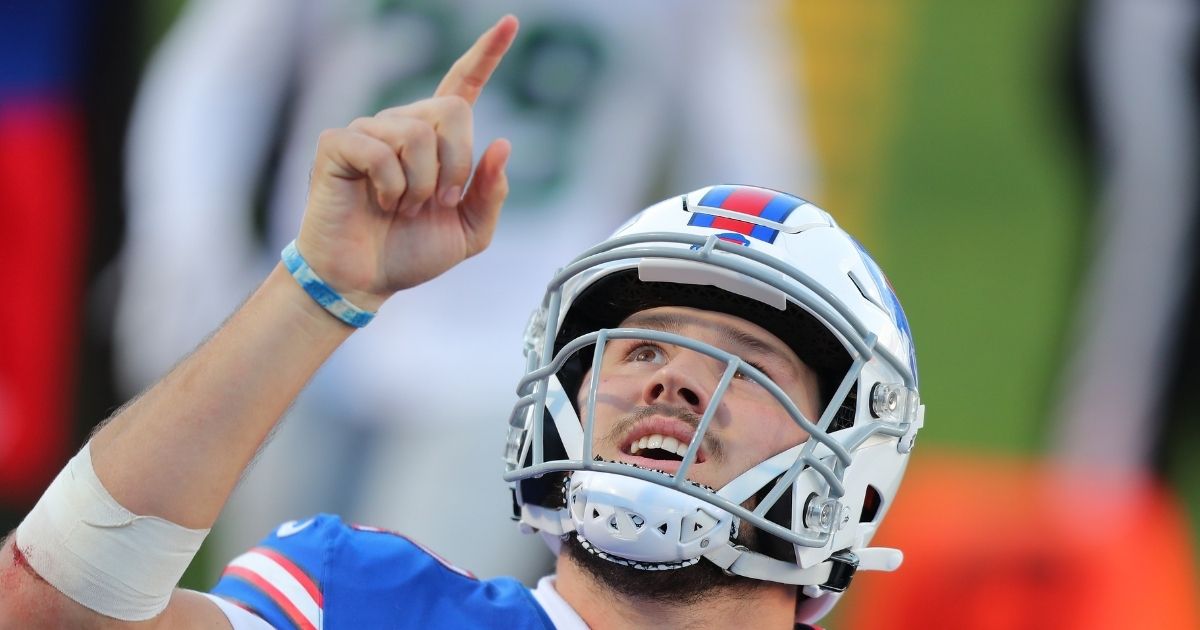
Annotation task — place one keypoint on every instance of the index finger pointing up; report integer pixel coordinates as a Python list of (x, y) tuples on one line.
[(471, 72)]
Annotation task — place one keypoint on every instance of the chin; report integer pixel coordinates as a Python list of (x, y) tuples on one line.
[(680, 587)]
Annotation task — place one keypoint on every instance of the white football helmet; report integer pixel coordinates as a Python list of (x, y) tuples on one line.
[(777, 261)]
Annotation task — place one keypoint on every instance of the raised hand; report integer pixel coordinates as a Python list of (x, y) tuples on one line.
[(386, 206)]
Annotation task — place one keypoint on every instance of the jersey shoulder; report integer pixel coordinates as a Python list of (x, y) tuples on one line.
[(324, 572), (282, 579)]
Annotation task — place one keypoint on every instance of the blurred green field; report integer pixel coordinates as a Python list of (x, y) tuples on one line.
[(982, 210), (968, 186)]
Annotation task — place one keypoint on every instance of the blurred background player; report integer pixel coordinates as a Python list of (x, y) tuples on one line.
[(608, 104)]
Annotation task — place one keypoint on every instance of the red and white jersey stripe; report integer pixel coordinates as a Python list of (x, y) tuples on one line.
[(287, 585)]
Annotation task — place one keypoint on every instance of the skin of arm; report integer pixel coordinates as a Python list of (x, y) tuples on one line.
[(388, 208)]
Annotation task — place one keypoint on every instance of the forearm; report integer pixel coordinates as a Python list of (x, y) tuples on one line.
[(110, 537), (178, 450)]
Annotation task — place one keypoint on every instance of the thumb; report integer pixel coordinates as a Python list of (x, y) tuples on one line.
[(480, 207)]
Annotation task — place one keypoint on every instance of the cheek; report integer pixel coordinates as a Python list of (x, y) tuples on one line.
[(773, 432), (614, 395)]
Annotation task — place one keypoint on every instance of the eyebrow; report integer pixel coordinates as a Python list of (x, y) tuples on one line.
[(674, 323)]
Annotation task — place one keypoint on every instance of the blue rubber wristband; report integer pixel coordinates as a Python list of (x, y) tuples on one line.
[(321, 292)]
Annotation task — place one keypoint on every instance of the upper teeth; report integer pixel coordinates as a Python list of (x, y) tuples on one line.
[(664, 442)]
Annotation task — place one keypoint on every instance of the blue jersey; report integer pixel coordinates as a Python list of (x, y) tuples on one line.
[(324, 573)]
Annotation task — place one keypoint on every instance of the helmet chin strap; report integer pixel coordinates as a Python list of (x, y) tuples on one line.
[(652, 527), (642, 523)]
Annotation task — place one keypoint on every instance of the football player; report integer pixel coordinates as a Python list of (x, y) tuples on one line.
[(720, 401)]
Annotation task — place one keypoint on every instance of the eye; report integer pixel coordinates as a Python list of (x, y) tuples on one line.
[(646, 353), (746, 377)]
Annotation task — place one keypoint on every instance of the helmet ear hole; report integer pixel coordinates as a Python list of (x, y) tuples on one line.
[(872, 501), (847, 408), (780, 514), (546, 490)]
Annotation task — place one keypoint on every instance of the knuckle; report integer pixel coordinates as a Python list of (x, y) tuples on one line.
[(419, 133), (360, 123), (394, 112), (376, 154), (454, 106), (328, 136)]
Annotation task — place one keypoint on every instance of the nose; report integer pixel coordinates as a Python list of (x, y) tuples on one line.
[(681, 382)]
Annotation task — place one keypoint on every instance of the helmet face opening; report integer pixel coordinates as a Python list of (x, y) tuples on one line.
[(641, 489), (611, 299)]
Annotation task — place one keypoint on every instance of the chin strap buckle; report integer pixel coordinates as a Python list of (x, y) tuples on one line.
[(843, 566)]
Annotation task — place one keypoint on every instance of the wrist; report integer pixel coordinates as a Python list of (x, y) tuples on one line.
[(356, 314), (308, 319)]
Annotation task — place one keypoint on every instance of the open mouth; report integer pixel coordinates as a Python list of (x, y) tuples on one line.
[(660, 447), (656, 446)]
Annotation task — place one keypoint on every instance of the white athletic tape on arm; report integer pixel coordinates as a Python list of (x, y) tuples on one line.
[(99, 554)]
